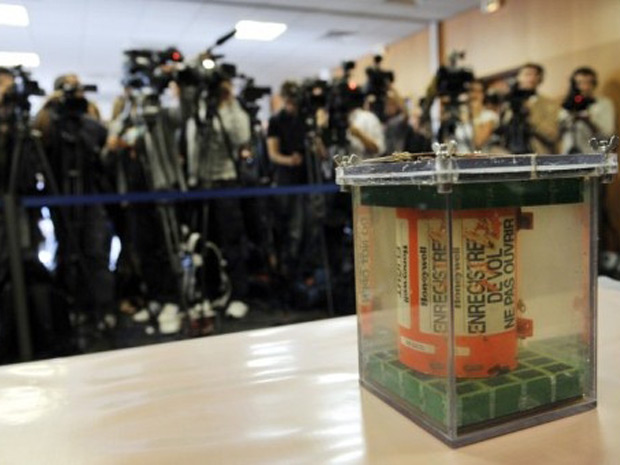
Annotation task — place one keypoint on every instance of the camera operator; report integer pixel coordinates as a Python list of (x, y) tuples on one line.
[(286, 141), (583, 115), (218, 167), (400, 136), (477, 122), (142, 134), (73, 138), (51, 106), (529, 122), (6, 81), (6, 110)]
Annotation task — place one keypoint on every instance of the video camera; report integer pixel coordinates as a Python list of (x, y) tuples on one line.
[(517, 97), (23, 87), (144, 68), (337, 97), (72, 100), (250, 94), (205, 73), (575, 102), (452, 81)]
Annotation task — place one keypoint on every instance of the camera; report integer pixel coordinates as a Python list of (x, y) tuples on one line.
[(310, 97), (72, 100), (23, 87), (451, 80), (143, 68), (517, 97), (203, 76), (575, 102), (250, 94)]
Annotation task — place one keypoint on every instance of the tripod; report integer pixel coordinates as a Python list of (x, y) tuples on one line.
[(449, 128), (318, 207), (232, 242), (27, 152), (161, 171)]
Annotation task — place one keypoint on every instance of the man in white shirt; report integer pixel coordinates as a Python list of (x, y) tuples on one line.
[(365, 134)]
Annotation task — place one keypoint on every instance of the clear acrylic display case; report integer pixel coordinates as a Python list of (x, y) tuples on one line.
[(476, 286)]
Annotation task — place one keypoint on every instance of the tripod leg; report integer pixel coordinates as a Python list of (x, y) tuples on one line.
[(72, 244), (317, 215), (16, 160), (22, 315), (169, 225)]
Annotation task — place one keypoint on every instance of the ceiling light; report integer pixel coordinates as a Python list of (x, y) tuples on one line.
[(257, 30), (26, 59), (490, 6), (13, 15)]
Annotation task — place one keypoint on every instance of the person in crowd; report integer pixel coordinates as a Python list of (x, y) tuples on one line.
[(478, 123), (399, 133), (365, 134), (286, 147), (218, 167), (74, 137), (529, 121), (584, 114), (145, 158), (6, 110)]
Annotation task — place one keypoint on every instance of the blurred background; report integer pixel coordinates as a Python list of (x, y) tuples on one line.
[(167, 167)]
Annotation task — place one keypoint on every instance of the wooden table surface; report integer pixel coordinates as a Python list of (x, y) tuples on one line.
[(287, 395)]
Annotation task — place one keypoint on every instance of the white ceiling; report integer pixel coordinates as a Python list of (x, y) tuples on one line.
[(88, 36)]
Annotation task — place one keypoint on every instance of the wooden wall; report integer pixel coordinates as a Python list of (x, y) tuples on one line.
[(559, 34)]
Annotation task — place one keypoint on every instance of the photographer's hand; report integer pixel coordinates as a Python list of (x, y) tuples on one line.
[(295, 159), (273, 149)]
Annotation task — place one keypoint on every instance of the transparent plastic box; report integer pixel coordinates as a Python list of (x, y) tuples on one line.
[(476, 286)]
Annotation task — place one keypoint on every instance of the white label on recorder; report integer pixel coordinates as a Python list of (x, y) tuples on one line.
[(417, 345), (484, 275), (403, 279)]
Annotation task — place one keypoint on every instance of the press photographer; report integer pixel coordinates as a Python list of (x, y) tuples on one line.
[(585, 115), (400, 136), (478, 123), (74, 140), (286, 145), (218, 141), (378, 84), (143, 139), (450, 86), (529, 120), (6, 114)]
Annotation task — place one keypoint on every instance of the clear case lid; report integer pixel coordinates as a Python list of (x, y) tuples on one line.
[(444, 168)]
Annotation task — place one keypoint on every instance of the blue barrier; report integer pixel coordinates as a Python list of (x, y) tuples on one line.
[(174, 196)]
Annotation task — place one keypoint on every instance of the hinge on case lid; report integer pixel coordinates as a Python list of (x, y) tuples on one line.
[(608, 149), (443, 166)]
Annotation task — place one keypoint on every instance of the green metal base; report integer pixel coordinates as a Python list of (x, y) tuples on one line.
[(544, 376)]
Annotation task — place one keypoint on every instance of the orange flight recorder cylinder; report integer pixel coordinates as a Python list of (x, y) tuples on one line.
[(484, 290)]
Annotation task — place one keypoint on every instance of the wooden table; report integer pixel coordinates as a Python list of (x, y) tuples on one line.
[(287, 395)]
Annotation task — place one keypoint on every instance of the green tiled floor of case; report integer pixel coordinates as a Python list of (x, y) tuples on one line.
[(548, 372)]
